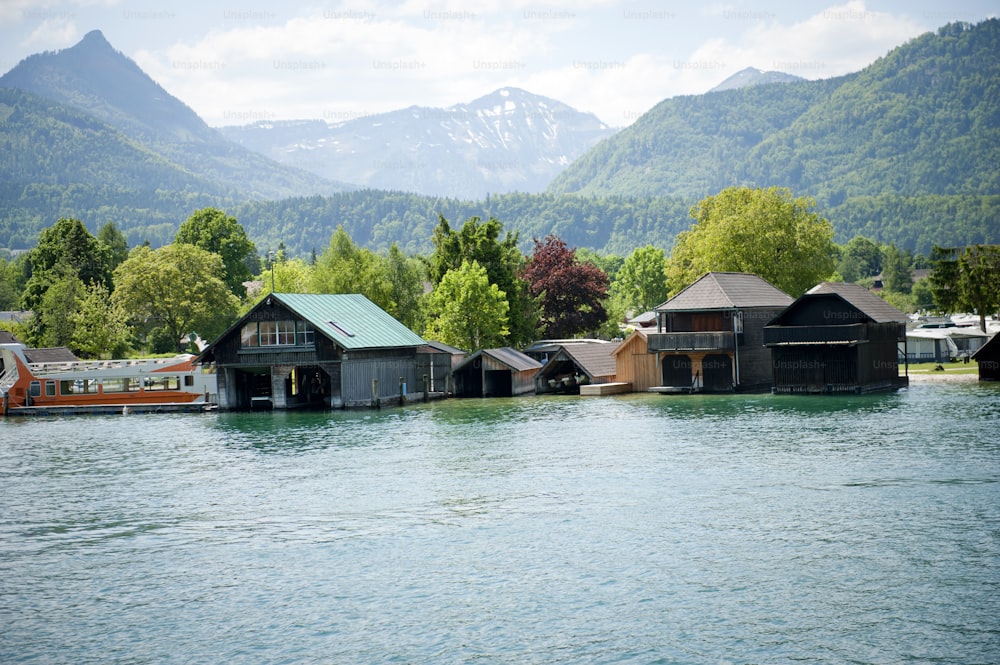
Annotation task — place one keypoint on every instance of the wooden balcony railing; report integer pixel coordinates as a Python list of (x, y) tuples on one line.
[(691, 341)]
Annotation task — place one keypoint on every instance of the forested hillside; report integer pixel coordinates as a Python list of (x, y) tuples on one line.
[(925, 119)]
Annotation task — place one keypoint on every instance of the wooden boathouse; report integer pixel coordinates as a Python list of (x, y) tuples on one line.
[(318, 350), (709, 337), (837, 338), (503, 372), (567, 365), (988, 358)]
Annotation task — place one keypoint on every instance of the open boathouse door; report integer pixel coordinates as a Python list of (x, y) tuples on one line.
[(281, 387)]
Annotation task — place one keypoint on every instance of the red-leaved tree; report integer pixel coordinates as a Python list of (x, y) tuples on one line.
[(570, 292)]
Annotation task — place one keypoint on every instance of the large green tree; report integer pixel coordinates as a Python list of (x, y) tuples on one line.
[(116, 242), (466, 310), (100, 325), (766, 232), (859, 258), (175, 289), (343, 267), (481, 242), (641, 282), (66, 247), (213, 230), (967, 279), (571, 293)]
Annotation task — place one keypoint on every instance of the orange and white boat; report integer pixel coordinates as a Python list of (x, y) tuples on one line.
[(53, 381)]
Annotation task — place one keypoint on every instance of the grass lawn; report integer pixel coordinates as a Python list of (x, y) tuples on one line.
[(952, 368)]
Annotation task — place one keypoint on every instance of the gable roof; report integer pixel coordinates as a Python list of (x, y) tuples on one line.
[(507, 356), (596, 360), (726, 290), (349, 319), (989, 349), (861, 299)]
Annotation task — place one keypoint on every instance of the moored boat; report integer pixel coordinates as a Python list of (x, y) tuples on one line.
[(39, 382)]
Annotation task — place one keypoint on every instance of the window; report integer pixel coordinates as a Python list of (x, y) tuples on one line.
[(35, 389), (78, 387), (123, 385), (163, 383), (50, 388), (277, 333), (248, 336)]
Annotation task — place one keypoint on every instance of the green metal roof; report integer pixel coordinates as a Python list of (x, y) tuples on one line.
[(350, 319)]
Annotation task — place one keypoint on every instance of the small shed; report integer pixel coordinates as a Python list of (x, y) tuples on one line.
[(571, 364), (634, 364), (988, 357), (436, 361), (503, 372)]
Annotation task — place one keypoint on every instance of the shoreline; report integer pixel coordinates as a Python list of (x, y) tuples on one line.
[(942, 377)]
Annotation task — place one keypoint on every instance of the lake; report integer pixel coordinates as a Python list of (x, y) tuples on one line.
[(628, 529)]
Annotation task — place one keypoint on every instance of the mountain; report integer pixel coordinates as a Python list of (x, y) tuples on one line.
[(923, 120), (95, 78), (752, 76), (508, 140)]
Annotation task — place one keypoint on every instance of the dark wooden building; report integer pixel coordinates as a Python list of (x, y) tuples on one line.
[(569, 364), (503, 372), (709, 337), (316, 350), (837, 338), (988, 357)]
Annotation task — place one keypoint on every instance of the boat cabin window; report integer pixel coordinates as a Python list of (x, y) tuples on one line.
[(78, 387), (122, 385), (276, 333), (163, 383), (35, 389), (50, 388)]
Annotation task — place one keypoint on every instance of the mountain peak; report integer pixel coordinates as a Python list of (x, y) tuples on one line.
[(752, 76), (94, 38)]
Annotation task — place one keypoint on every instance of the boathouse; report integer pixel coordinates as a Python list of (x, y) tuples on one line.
[(837, 338), (317, 350), (709, 337), (569, 364), (503, 372), (988, 357), (634, 364)]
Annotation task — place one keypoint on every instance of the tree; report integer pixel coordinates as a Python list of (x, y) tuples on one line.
[(115, 241), (641, 283), (571, 293), (65, 248), (214, 231), (100, 326), (176, 288), (343, 267), (406, 288), (967, 280), (480, 242), (979, 280), (52, 321), (466, 311), (897, 275), (859, 258), (764, 232)]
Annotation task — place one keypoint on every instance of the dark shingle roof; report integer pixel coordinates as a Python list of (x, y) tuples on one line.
[(57, 354), (726, 290), (594, 359), (860, 298)]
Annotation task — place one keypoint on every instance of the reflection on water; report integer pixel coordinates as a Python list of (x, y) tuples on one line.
[(636, 528)]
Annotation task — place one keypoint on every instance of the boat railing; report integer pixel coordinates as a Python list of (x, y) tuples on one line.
[(8, 379), (93, 365)]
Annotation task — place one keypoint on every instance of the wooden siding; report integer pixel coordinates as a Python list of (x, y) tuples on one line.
[(634, 364), (360, 370)]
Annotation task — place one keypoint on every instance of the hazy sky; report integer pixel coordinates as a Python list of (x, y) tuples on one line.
[(238, 61)]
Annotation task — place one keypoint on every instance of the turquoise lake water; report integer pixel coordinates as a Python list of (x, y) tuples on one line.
[(631, 529)]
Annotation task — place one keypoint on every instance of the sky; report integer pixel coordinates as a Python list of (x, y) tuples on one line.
[(240, 61)]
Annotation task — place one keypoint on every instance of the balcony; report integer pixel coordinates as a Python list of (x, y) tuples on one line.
[(691, 341), (844, 334)]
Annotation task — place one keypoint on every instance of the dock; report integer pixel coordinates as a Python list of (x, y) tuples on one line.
[(605, 389), (110, 409)]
